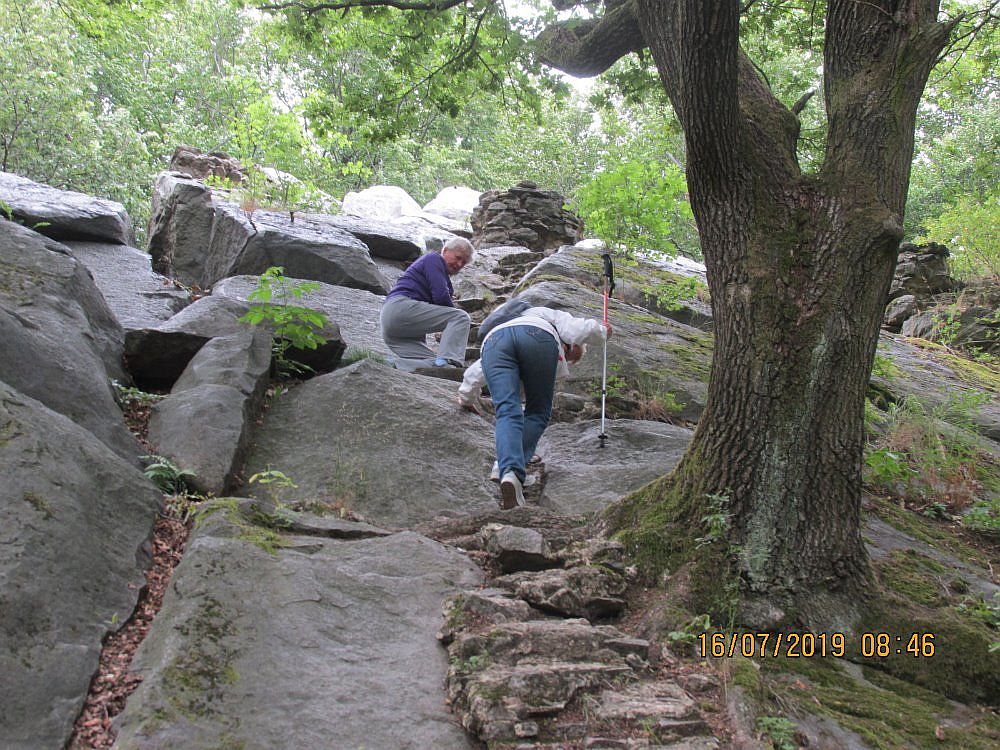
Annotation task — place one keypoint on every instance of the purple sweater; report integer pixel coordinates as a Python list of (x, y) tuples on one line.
[(426, 281)]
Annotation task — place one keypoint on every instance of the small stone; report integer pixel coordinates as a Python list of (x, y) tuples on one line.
[(524, 729)]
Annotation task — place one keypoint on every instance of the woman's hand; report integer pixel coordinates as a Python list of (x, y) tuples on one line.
[(474, 406)]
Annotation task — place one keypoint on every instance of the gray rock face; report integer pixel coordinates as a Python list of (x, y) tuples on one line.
[(488, 276), (138, 296), (934, 378), (73, 517), (649, 284), (382, 239), (240, 360), (199, 240), (355, 312), (68, 215), (324, 643), (305, 249), (205, 424), (59, 342), (582, 477), (648, 354), (420, 455)]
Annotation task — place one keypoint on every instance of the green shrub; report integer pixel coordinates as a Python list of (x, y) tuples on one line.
[(293, 326)]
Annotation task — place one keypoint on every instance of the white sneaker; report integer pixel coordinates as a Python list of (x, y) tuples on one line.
[(511, 494), (495, 476)]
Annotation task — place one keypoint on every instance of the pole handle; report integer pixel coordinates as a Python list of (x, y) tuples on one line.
[(609, 272)]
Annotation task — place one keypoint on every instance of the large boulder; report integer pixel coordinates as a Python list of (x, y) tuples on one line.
[(220, 392), (662, 286), (383, 240), (197, 164), (59, 342), (380, 202), (73, 521), (454, 202), (581, 476), (138, 296), (432, 457), (433, 229), (354, 312), (157, 356), (64, 214), (199, 240), (317, 643)]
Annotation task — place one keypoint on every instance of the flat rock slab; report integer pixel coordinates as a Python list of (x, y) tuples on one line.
[(354, 311), (68, 215), (882, 540), (934, 377), (74, 520), (324, 644), (582, 477), (391, 446), (138, 296), (383, 239), (641, 283)]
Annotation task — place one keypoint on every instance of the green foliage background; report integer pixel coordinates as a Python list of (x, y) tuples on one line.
[(96, 95)]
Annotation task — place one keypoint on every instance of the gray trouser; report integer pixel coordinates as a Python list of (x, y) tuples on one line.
[(406, 323)]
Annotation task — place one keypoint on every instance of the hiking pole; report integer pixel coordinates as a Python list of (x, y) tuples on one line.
[(609, 287)]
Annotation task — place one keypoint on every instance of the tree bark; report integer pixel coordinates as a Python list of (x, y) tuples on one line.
[(799, 268)]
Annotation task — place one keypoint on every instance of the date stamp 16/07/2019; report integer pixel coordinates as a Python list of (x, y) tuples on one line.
[(809, 645)]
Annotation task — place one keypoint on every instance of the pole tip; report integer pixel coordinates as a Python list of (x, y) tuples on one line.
[(602, 437)]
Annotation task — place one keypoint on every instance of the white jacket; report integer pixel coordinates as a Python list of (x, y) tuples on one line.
[(563, 327)]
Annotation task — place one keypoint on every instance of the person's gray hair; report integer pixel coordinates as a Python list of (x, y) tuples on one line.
[(459, 243)]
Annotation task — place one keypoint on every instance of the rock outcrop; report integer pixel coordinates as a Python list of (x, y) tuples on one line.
[(59, 342), (371, 501), (64, 214), (199, 240), (524, 215), (73, 521), (197, 164)]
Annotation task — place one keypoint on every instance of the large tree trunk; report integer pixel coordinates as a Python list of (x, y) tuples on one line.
[(799, 269)]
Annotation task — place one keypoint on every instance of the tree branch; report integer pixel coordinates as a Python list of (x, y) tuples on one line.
[(801, 103), (347, 4), (588, 48)]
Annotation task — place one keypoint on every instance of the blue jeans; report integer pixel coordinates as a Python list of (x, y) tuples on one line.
[(510, 357)]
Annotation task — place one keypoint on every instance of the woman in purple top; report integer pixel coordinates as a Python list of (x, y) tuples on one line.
[(421, 303)]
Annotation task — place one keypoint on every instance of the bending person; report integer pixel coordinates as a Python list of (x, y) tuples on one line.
[(531, 350), (421, 302)]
